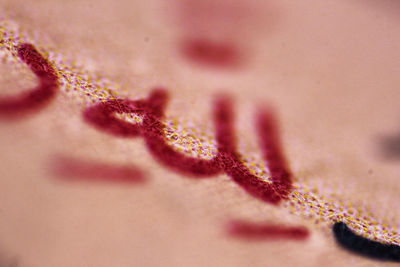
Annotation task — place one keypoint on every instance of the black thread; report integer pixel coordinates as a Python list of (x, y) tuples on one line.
[(363, 246)]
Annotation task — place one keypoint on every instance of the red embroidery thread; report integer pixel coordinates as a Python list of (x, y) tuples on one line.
[(265, 231), (71, 169), (227, 159), (210, 53), (28, 102)]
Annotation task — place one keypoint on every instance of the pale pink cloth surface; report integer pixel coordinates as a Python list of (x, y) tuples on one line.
[(330, 69)]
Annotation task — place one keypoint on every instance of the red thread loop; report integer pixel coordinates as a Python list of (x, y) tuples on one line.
[(227, 159), (37, 98)]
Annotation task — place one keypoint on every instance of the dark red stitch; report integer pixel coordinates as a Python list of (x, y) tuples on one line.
[(153, 133), (68, 168), (227, 159), (158, 147), (281, 179), (102, 116), (27, 102), (271, 147), (211, 53), (265, 231)]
